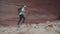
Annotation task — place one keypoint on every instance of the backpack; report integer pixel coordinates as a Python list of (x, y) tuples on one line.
[(19, 10)]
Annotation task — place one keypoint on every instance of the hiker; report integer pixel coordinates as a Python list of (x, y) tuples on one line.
[(21, 12)]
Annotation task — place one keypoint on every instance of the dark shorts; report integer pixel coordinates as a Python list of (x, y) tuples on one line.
[(21, 16)]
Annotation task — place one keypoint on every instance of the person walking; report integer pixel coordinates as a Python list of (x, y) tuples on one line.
[(21, 12)]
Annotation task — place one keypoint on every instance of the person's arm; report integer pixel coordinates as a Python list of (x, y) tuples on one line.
[(27, 13)]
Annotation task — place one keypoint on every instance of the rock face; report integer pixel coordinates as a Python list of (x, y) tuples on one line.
[(39, 10)]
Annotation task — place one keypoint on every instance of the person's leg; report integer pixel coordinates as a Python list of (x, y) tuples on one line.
[(20, 18), (23, 19)]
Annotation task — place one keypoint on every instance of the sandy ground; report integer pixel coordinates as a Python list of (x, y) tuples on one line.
[(42, 28)]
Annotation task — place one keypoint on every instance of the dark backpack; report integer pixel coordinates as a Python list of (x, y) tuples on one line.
[(19, 10)]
